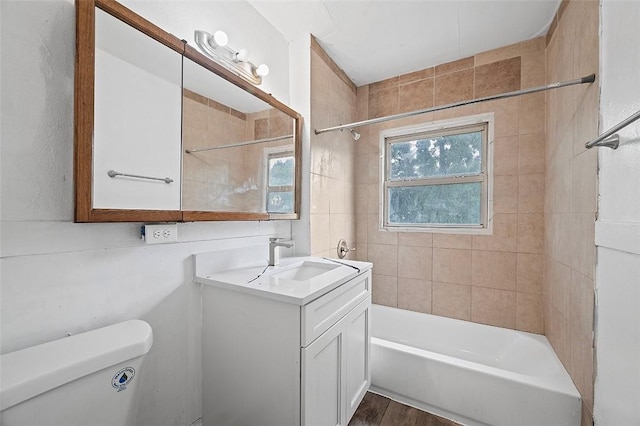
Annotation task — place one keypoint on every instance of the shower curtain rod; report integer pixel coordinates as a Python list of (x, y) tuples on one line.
[(588, 79), (257, 141)]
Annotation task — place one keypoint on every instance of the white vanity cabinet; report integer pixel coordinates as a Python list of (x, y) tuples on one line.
[(276, 362), (335, 370)]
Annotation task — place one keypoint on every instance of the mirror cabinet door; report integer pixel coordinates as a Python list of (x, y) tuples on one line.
[(239, 151), (162, 133), (137, 119)]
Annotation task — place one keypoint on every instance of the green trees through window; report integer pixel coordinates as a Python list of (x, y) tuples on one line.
[(436, 204), (280, 178), (437, 156), (436, 178)]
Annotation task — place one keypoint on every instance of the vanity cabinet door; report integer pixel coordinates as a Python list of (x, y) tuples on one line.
[(336, 371), (357, 348), (323, 364)]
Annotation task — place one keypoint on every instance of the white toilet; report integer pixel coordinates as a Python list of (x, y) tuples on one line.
[(87, 379)]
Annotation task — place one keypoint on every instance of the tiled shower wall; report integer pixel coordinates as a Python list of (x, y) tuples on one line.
[(494, 279), (333, 101), (211, 172), (571, 193), (233, 177)]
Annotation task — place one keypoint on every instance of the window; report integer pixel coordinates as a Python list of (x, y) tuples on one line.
[(436, 177), (280, 178)]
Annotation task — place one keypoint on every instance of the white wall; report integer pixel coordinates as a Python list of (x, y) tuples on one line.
[(300, 87), (59, 277), (618, 227), (246, 28)]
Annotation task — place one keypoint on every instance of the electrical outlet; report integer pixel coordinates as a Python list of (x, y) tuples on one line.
[(161, 233)]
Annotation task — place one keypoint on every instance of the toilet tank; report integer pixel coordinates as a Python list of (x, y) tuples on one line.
[(87, 379)]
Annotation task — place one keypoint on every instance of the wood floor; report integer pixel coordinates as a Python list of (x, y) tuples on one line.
[(376, 410)]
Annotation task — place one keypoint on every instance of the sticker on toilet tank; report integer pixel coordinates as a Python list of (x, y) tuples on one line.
[(123, 378)]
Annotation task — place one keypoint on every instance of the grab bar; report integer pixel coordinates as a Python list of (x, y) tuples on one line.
[(113, 173), (610, 138)]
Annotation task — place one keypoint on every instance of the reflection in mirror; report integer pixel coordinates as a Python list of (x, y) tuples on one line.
[(136, 141), (239, 151)]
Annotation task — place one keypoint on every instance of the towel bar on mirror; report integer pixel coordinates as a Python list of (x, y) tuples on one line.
[(113, 173)]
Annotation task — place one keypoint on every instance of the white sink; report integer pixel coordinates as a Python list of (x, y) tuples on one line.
[(296, 280), (304, 271)]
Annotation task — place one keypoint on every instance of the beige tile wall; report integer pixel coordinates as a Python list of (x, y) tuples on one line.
[(333, 100), (570, 202), (207, 123), (488, 279), (232, 178)]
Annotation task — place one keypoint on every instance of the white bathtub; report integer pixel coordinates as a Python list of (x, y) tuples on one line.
[(472, 373)]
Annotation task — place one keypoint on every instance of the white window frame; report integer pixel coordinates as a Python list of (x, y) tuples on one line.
[(443, 126), (268, 153)]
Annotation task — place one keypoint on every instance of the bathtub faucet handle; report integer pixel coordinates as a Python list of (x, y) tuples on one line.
[(343, 248)]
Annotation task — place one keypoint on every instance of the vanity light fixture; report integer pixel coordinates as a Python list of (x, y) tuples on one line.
[(215, 47)]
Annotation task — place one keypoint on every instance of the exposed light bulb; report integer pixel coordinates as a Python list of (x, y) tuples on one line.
[(242, 55), (215, 47), (220, 38), (262, 70)]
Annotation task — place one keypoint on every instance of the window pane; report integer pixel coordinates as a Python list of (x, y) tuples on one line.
[(436, 156), (280, 202), (436, 204), (281, 171)]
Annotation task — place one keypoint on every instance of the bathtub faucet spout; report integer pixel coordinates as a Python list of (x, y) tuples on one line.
[(274, 254)]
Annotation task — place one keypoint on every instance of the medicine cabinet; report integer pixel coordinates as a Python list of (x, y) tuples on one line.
[(163, 133)]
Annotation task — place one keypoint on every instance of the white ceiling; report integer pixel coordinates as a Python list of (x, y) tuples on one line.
[(372, 40)]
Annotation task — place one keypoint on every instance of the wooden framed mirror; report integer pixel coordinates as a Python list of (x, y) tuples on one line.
[(163, 133)]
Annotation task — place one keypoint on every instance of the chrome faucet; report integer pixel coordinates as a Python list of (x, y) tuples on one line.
[(274, 254)]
